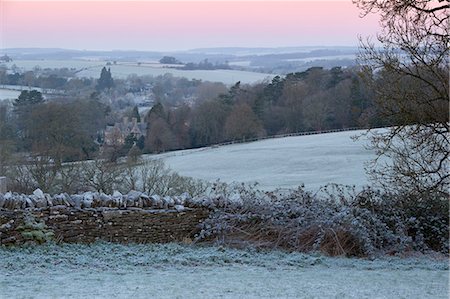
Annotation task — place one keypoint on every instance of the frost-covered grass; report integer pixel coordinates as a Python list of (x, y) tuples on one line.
[(179, 271), (6, 94), (11, 92), (313, 160)]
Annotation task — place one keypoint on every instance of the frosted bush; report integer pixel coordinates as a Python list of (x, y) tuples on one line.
[(337, 221)]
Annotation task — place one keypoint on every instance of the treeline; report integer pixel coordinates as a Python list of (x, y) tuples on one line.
[(202, 65), (54, 130), (317, 99), (205, 65), (61, 79), (43, 78)]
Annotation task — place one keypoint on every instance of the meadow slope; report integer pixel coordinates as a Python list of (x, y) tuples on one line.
[(313, 160)]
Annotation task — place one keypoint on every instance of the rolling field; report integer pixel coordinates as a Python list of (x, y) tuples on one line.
[(124, 69), (224, 76), (7, 94), (313, 160)]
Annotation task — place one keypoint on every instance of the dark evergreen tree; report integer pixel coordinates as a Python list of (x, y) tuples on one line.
[(106, 81), (130, 141), (135, 114), (23, 108), (157, 111), (140, 143), (27, 98)]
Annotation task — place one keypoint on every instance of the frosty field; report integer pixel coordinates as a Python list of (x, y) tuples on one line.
[(313, 160), (124, 69), (224, 76), (178, 271), (7, 94), (12, 92)]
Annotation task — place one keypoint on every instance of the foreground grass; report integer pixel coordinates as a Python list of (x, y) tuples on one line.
[(105, 270)]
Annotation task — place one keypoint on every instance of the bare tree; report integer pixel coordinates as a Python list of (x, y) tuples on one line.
[(152, 173), (101, 175), (410, 74), (242, 123), (160, 137), (316, 111), (293, 97), (154, 177), (209, 90), (28, 173), (68, 178)]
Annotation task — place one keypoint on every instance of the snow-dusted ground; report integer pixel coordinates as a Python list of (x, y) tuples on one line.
[(224, 76), (176, 271), (11, 92), (124, 69), (310, 59), (314, 160), (7, 94)]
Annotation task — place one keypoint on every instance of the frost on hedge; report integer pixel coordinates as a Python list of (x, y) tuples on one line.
[(338, 220)]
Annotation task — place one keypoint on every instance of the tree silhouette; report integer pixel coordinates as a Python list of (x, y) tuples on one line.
[(105, 81), (27, 98)]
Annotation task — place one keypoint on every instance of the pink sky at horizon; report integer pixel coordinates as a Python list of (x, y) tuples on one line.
[(180, 25)]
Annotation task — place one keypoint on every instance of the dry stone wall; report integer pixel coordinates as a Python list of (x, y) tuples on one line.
[(27, 219)]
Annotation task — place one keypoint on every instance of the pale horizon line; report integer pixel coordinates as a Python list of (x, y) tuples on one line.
[(179, 50)]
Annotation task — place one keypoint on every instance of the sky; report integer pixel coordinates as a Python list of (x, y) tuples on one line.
[(180, 25)]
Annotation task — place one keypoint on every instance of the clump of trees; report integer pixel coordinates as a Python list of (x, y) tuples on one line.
[(100, 175), (169, 60), (317, 99), (205, 65), (43, 78), (60, 131)]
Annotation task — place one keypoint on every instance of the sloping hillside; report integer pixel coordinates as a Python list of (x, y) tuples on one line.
[(313, 160)]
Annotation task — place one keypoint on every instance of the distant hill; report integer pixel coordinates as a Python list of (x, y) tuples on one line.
[(270, 60)]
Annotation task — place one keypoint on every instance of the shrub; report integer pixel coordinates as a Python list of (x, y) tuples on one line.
[(336, 221)]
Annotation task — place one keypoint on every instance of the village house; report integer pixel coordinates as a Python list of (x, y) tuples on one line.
[(116, 135)]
